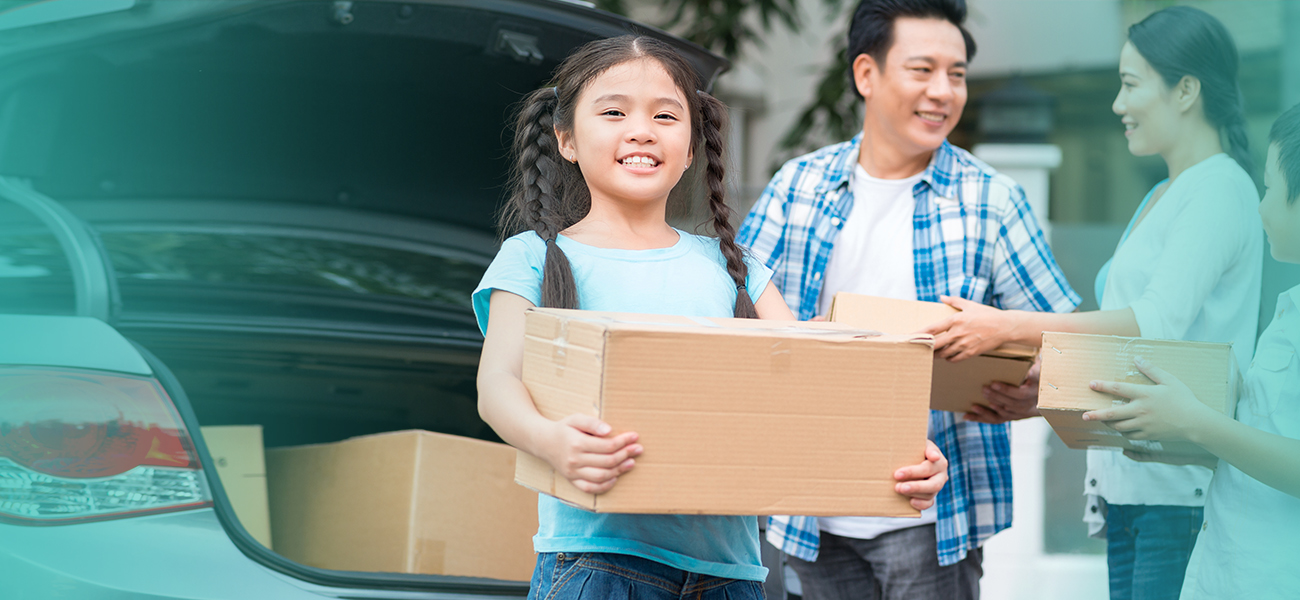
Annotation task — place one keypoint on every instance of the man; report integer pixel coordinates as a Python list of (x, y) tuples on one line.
[(899, 212)]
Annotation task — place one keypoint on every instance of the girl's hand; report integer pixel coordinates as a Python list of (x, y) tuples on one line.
[(1166, 411), (1009, 402), (580, 449), (971, 332), (923, 481)]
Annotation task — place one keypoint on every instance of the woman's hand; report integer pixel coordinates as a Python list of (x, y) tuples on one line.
[(973, 331), (1166, 411), (581, 449), (1009, 402), (922, 482)]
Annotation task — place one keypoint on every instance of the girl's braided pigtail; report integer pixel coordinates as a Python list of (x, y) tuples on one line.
[(536, 199), (713, 122)]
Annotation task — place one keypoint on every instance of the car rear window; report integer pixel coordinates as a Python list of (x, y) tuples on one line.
[(35, 275), (295, 266)]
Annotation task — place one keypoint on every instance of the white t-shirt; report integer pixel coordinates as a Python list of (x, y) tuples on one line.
[(1250, 541), (873, 255), (1190, 271)]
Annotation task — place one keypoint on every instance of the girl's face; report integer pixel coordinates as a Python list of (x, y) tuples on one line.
[(631, 134), (1281, 219), (1145, 105)]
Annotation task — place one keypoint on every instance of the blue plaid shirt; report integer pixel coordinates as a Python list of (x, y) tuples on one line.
[(973, 236)]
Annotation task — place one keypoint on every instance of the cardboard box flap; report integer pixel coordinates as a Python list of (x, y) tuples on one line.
[(892, 316), (576, 325)]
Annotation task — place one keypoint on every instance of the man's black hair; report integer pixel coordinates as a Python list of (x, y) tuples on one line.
[(872, 30), (1286, 134)]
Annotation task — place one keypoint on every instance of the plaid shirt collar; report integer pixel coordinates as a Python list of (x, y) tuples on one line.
[(840, 166)]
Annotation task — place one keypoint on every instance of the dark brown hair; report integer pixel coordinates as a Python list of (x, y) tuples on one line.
[(548, 194), (1179, 41)]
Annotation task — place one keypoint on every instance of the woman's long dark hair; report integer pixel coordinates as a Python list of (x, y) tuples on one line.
[(548, 193), (1180, 41)]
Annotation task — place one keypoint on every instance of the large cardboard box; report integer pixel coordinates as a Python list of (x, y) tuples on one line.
[(737, 416), (237, 452), (1072, 361), (403, 502), (954, 386)]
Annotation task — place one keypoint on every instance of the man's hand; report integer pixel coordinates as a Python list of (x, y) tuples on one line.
[(922, 482), (581, 449), (1008, 402), (971, 332), (1166, 411)]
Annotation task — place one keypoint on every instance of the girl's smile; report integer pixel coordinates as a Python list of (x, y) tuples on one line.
[(631, 134)]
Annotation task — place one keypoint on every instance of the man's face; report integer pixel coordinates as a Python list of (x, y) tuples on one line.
[(915, 98)]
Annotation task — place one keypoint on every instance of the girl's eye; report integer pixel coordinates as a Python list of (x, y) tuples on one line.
[(666, 116), (613, 112)]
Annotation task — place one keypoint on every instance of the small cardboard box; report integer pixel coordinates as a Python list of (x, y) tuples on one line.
[(1072, 361), (955, 386), (237, 452), (403, 502), (737, 416)]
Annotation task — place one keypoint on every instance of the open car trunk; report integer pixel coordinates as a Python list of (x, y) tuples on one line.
[(297, 198)]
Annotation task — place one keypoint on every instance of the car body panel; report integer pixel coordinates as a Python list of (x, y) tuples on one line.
[(76, 342)]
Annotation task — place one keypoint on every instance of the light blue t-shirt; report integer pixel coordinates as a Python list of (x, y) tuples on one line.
[(688, 278)]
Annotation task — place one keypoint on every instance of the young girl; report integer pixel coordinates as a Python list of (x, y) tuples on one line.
[(1188, 267), (1250, 539), (597, 156)]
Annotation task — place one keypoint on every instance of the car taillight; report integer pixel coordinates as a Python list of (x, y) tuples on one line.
[(80, 445)]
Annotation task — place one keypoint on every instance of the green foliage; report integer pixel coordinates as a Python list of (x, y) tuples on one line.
[(723, 26)]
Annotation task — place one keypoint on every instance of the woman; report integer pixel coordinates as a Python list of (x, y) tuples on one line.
[(1188, 267)]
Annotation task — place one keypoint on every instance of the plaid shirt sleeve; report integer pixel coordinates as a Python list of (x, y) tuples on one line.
[(769, 235), (1025, 274)]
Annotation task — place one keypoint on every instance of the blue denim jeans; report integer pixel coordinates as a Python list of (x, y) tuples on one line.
[(568, 576), (1147, 548)]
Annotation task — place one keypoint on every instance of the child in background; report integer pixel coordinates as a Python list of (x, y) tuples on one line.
[(1249, 544), (597, 156)]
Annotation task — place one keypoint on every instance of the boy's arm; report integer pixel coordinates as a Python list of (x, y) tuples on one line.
[(1168, 411)]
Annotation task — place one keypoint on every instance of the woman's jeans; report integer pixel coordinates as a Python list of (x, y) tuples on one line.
[(1147, 548), (568, 576)]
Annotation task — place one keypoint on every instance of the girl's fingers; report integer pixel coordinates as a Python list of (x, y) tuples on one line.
[(609, 461), (587, 424), (599, 475), (594, 488), (596, 445)]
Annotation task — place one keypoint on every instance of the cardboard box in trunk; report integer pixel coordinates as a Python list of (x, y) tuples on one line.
[(241, 466), (1072, 361), (954, 386), (737, 416), (403, 502)]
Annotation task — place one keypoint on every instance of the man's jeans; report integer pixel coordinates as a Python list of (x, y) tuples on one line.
[(1147, 548), (601, 576), (897, 565)]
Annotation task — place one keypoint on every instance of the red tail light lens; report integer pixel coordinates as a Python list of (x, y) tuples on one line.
[(78, 445)]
